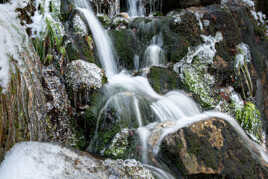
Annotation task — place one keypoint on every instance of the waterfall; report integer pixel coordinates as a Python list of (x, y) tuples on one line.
[(101, 39), (135, 8), (126, 94), (154, 54)]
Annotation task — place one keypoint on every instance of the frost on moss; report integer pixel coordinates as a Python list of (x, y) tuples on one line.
[(246, 113), (241, 59), (119, 145), (249, 119), (47, 31), (198, 82), (193, 70)]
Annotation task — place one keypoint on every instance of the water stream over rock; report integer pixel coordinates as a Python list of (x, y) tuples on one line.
[(125, 93), (128, 117)]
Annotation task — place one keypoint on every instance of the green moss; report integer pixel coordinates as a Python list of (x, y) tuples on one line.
[(82, 49), (249, 119), (105, 20), (163, 79), (109, 125), (260, 30), (49, 42), (125, 45)]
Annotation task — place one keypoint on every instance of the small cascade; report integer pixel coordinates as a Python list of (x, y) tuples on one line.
[(101, 39), (155, 5), (154, 55), (141, 8), (135, 8)]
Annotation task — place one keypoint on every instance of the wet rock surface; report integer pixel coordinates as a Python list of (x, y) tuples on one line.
[(163, 79), (22, 99), (212, 147)]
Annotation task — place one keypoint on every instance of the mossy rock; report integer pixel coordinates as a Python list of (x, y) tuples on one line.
[(107, 116), (163, 79), (82, 48), (125, 45), (188, 28), (105, 20)]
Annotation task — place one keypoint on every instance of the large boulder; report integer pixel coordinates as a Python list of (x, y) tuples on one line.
[(35, 160), (213, 147)]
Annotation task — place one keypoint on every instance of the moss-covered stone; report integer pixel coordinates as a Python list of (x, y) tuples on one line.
[(163, 79), (105, 20), (81, 48), (196, 84), (125, 45)]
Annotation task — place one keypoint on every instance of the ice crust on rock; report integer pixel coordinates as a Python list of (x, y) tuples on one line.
[(35, 160), (205, 52), (13, 41), (84, 75)]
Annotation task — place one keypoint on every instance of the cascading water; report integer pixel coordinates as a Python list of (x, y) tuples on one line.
[(101, 38), (135, 8), (154, 54), (126, 94)]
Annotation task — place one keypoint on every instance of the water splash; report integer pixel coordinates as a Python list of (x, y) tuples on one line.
[(170, 127)]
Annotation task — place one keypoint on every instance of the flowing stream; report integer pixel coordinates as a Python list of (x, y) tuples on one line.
[(127, 93)]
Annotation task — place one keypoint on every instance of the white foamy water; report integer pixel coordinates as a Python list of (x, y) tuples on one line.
[(257, 151), (126, 94)]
